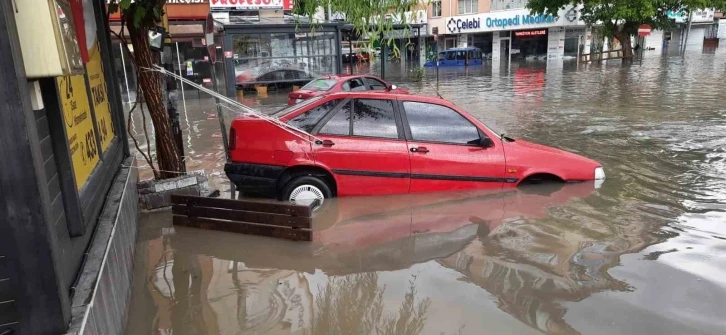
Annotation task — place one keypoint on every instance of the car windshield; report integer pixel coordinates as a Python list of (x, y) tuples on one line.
[(290, 109), (320, 85)]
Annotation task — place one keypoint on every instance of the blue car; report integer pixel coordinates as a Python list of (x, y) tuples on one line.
[(458, 57)]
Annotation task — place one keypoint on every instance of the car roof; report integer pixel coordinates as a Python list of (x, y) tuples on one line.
[(346, 76), (389, 95), (461, 49)]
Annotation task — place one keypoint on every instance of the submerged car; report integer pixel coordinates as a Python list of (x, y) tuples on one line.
[(375, 143), (341, 83)]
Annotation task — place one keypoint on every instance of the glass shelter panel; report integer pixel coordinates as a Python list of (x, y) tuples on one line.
[(282, 59)]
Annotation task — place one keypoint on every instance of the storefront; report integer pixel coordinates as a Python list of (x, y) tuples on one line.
[(513, 33), (186, 29)]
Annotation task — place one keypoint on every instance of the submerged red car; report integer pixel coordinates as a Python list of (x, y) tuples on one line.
[(341, 83), (371, 143)]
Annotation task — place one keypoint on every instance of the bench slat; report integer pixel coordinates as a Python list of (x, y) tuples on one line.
[(244, 216), (244, 228), (244, 205)]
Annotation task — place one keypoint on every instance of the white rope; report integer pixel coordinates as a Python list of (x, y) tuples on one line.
[(282, 125)]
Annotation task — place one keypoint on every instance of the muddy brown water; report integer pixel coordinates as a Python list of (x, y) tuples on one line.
[(643, 254)]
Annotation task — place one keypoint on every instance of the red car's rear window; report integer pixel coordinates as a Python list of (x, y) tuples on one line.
[(320, 85), (290, 109)]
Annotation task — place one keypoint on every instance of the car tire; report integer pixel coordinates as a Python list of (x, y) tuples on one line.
[(306, 188)]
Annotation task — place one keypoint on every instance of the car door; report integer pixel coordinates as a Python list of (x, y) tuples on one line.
[(363, 144), (446, 150)]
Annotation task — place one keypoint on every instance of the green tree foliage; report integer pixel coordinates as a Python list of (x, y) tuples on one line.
[(621, 18)]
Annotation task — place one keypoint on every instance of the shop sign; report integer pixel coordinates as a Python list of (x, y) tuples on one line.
[(530, 33), (171, 2), (511, 20), (230, 5)]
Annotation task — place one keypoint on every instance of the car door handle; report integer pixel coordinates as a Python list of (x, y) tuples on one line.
[(325, 143), (420, 149)]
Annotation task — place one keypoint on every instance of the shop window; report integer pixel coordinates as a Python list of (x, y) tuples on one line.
[(436, 8), (468, 6)]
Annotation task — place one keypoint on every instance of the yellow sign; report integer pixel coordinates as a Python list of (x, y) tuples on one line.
[(79, 126), (99, 95)]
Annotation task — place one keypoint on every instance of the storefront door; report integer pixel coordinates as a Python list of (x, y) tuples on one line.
[(504, 49)]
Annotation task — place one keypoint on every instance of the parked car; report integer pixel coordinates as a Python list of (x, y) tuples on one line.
[(273, 78), (375, 143), (458, 57), (341, 83)]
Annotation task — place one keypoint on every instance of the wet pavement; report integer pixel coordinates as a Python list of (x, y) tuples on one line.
[(643, 254)]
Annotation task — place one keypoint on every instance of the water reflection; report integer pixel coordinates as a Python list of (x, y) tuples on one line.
[(363, 272)]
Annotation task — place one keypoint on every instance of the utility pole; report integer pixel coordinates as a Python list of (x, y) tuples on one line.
[(169, 91), (688, 32)]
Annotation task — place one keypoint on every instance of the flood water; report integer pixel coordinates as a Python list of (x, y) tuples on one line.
[(643, 254)]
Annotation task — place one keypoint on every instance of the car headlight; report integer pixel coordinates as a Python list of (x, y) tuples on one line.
[(599, 173)]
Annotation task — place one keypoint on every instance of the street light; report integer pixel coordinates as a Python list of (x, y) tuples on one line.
[(156, 38)]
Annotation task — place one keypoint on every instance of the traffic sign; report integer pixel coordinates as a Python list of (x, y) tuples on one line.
[(644, 30)]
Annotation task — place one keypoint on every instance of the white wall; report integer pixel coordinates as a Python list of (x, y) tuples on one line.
[(654, 40)]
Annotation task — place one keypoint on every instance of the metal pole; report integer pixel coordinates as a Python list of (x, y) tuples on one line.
[(126, 77), (178, 60), (383, 58)]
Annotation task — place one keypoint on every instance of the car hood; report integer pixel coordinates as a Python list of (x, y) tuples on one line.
[(522, 145)]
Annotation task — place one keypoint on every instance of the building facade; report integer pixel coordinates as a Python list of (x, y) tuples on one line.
[(505, 30)]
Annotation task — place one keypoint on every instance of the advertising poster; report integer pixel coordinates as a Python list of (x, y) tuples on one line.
[(79, 126), (99, 96)]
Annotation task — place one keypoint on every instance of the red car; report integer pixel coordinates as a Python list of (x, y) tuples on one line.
[(341, 83), (374, 143)]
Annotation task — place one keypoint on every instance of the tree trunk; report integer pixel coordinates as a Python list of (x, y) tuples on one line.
[(167, 154), (624, 39)]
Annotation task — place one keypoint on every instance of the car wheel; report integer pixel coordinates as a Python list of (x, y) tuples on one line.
[(305, 189)]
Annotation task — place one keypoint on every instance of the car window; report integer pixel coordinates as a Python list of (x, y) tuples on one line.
[(290, 109), (442, 55), (374, 118), (307, 121), (450, 55), (357, 85), (436, 123), (319, 85), (376, 84), (339, 124)]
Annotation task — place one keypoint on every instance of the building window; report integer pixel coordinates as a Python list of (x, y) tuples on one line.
[(468, 6), (508, 4), (436, 8)]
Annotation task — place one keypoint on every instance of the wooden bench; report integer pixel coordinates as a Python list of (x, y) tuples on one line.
[(266, 218)]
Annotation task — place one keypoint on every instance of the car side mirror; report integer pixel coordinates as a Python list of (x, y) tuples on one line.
[(487, 142)]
